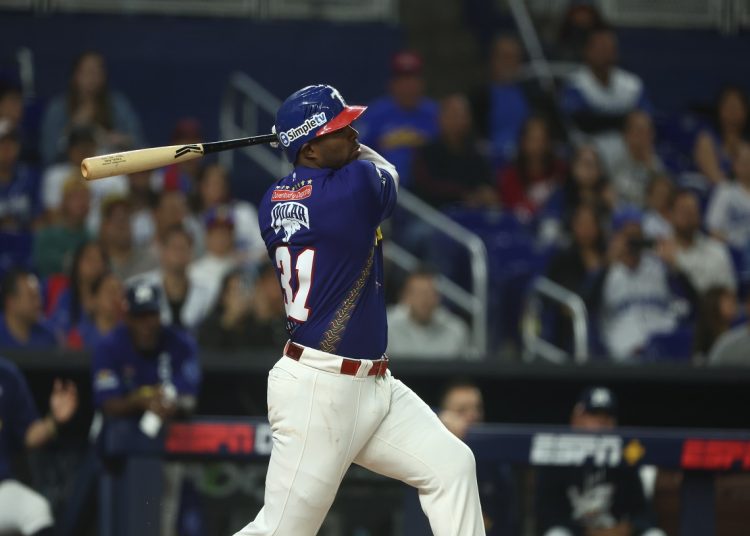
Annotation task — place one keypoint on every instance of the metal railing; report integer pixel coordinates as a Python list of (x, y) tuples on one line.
[(534, 345), (246, 102)]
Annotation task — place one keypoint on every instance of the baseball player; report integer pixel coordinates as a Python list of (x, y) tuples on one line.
[(21, 508), (331, 399)]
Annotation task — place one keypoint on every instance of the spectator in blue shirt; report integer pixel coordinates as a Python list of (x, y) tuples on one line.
[(19, 185), (23, 510), (20, 323), (404, 120)]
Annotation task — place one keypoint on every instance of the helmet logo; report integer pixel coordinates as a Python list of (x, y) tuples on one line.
[(317, 120), (336, 95)]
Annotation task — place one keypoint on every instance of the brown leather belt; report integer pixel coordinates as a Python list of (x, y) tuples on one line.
[(348, 366)]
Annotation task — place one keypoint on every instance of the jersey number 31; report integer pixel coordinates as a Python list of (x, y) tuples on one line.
[(296, 302)]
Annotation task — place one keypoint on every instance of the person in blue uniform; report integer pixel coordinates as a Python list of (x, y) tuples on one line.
[(331, 399), (21, 508)]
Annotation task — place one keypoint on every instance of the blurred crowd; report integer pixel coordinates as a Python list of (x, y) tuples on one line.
[(652, 231)]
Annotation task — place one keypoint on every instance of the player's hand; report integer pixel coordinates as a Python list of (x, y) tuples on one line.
[(162, 405), (63, 401), (455, 423)]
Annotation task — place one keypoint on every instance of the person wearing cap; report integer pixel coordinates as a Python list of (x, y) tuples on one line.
[(633, 297), (331, 398), (55, 244), (220, 257), (19, 191), (589, 500), (144, 367), (399, 123)]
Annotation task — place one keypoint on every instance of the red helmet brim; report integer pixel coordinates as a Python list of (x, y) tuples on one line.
[(345, 118)]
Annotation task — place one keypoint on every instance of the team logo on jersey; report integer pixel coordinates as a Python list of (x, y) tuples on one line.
[(291, 217), (318, 120), (292, 195)]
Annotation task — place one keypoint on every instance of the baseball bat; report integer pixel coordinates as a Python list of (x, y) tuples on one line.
[(109, 165)]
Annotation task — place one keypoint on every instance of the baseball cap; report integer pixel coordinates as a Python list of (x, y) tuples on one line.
[(598, 400), (143, 298), (221, 215), (406, 62), (625, 216)]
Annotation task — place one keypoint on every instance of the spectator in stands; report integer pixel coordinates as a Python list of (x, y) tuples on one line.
[(526, 185), (13, 114), (577, 266), (730, 349), (404, 120), (451, 170), (89, 101), (19, 185), (105, 314), (185, 299), (503, 105), (21, 320), (116, 238), (716, 148), (183, 176), (144, 367), (598, 96), (81, 144), (636, 161), (214, 191), (461, 407), (246, 317), (586, 183), (54, 245), (143, 201), (73, 300), (716, 312), (706, 261), (577, 23), (24, 510), (660, 193), (728, 214), (172, 210), (419, 327), (593, 500), (220, 257), (633, 296)]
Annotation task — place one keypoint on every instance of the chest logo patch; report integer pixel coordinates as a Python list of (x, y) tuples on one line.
[(292, 195), (289, 217)]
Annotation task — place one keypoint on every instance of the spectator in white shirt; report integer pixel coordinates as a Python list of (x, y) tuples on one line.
[(220, 257), (185, 300), (633, 299), (419, 327), (728, 214), (659, 196), (636, 162), (705, 260)]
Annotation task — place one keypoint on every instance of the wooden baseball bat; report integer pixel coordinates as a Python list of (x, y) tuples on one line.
[(109, 165)]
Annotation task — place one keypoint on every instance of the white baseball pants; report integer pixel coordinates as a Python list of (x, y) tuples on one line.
[(322, 422), (22, 509)]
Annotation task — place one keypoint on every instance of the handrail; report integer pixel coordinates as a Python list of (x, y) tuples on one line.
[(252, 99), (532, 43), (534, 344)]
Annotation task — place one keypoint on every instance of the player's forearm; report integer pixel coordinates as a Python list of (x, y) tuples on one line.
[(369, 154), (40, 432)]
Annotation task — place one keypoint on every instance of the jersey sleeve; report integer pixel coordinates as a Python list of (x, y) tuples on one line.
[(373, 189), (24, 410), (187, 374), (106, 380)]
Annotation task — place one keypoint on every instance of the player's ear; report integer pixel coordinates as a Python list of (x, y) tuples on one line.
[(308, 152)]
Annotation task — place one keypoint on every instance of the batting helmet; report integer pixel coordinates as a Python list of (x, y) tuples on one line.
[(310, 112)]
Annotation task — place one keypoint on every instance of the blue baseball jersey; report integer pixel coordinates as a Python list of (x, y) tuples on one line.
[(17, 412), (119, 369), (397, 133), (39, 337), (321, 230)]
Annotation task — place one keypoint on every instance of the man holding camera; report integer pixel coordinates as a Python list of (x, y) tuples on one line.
[(638, 295)]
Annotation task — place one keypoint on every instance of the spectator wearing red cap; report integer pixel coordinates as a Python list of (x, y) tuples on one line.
[(397, 124), (184, 175)]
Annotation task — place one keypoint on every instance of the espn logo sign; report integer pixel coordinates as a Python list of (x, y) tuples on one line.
[(715, 454), (218, 438), (576, 449)]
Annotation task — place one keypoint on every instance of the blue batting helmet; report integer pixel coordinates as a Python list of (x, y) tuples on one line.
[(310, 112)]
